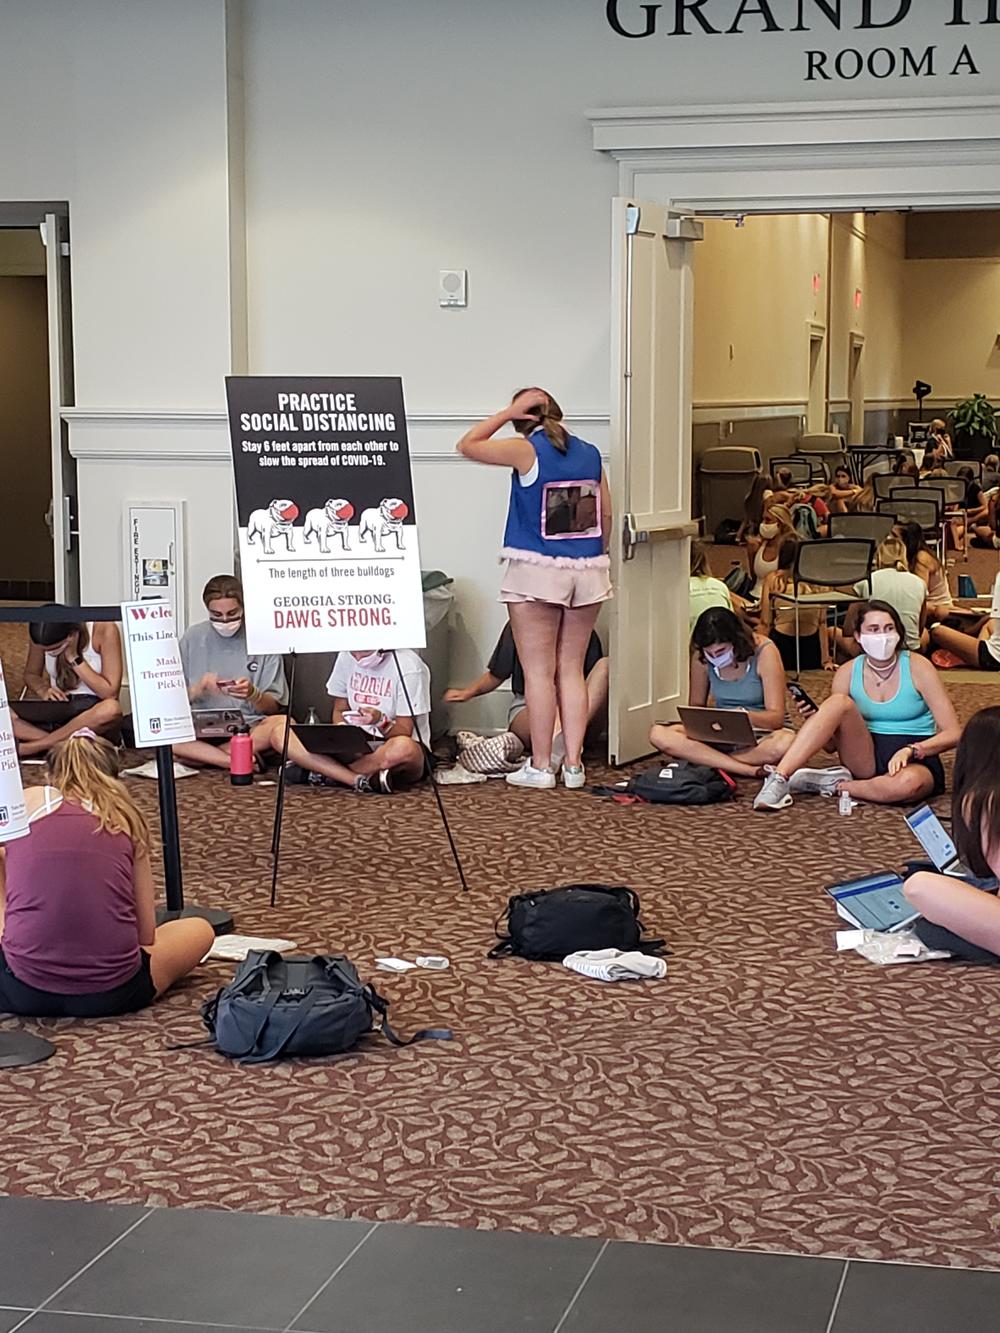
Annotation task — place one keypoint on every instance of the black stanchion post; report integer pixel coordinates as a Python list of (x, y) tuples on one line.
[(279, 803), (429, 761), (169, 830)]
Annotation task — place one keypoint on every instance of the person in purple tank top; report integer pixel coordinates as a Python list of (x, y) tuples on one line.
[(556, 568), (79, 936)]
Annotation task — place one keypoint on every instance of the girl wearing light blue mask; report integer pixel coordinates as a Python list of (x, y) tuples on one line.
[(735, 669)]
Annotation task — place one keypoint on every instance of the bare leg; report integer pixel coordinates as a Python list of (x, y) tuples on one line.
[(962, 645), (202, 754), (911, 784), (26, 731), (179, 946), (966, 911), (270, 734), (574, 699), (102, 717), (400, 755), (674, 741), (836, 724), (521, 727), (597, 690), (536, 634)]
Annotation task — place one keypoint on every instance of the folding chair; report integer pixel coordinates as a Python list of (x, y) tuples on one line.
[(884, 483), (869, 527), (833, 565), (801, 469)]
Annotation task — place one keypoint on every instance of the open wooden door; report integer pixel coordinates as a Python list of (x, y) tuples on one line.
[(65, 515), (652, 304)]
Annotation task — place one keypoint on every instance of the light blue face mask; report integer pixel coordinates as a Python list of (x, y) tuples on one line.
[(723, 660)]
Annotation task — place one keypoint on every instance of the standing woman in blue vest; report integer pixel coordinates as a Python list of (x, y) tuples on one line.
[(556, 567)]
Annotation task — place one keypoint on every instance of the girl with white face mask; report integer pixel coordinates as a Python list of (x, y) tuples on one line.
[(735, 669), (762, 549), (888, 718)]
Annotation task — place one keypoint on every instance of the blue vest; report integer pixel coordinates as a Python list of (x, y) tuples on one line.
[(539, 515)]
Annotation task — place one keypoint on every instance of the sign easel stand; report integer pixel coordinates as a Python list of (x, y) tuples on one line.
[(279, 802)]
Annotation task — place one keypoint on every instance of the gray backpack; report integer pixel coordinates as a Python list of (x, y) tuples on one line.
[(317, 1006)]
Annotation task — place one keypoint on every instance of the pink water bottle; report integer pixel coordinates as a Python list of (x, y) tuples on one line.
[(241, 757)]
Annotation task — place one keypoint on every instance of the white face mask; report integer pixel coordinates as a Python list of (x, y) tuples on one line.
[(371, 661), (721, 660), (879, 647), (227, 628), (768, 531)]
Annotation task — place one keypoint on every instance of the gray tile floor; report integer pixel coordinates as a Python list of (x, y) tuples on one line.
[(88, 1268)]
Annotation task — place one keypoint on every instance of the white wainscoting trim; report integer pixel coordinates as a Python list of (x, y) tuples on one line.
[(198, 436)]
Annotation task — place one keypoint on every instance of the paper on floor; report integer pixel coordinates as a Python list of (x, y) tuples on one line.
[(148, 770), (234, 948)]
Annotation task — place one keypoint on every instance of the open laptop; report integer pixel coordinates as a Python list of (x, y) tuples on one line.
[(934, 839), (718, 726), (875, 902), (336, 740), (213, 724), (47, 712)]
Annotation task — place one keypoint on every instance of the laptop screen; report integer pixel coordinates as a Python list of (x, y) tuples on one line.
[(932, 836)]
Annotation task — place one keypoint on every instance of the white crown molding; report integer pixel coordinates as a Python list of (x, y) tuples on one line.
[(188, 417), (626, 130)]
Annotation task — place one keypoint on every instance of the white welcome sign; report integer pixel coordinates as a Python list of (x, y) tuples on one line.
[(13, 815), (161, 710)]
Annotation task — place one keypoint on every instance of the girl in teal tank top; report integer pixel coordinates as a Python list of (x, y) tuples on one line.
[(888, 719)]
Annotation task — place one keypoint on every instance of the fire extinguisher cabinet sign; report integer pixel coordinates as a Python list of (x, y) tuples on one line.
[(161, 710), (13, 815)]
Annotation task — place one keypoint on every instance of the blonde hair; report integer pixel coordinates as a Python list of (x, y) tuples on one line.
[(699, 561), (891, 554), (85, 770), (549, 417)]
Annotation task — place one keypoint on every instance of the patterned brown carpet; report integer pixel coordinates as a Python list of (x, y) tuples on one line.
[(768, 1094)]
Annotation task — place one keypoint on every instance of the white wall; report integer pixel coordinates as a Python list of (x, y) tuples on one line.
[(382, 144)]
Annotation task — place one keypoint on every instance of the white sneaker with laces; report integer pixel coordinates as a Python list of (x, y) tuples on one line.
[(774, 795), (818, 781), (529, 776), (574, 776)]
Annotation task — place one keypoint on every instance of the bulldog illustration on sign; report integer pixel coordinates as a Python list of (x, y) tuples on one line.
[(274, 521), (330, 521), (384, 521)]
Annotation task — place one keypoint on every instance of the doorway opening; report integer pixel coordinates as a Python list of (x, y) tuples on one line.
[(26, 554)]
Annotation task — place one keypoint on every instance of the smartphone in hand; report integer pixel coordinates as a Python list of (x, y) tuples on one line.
[(805, 703)]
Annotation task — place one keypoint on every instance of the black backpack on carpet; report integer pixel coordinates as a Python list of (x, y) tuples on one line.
[(277, 1006), (681, 783), (550, 923)]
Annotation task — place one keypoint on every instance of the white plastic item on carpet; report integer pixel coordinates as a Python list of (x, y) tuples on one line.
[(234, 948), (457, 776), (148, 770), (616, 965)]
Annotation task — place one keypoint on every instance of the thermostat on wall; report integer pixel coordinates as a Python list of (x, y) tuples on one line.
[(453, 286)]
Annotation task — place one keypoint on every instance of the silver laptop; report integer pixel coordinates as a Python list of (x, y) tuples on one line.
[(213, 724), (931, 835), (719, 726)]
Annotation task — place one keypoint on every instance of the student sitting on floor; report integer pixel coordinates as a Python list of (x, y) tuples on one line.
[(891, 582), (922, 561), (79, 934), (778, 619), (888, 718), (366, 685), (982, 651), (506, 665), (220, 673), (704, 590), (959, 913), (79, 665), (843, 495), (737, 669)]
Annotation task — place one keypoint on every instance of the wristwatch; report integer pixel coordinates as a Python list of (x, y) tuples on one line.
[(77, 661), (917, 753)]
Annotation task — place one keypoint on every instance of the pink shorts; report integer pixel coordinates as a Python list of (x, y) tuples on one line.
[(528, 581)]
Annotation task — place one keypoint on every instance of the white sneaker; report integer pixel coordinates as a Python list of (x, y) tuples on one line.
[(615, 965), (818, 781), (529, 776), (574, 776), (774, 795)]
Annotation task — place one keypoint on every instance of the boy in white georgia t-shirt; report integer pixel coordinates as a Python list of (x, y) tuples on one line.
[(367, 691)]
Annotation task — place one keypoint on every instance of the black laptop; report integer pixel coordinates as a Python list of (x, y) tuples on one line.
[(336, 740)]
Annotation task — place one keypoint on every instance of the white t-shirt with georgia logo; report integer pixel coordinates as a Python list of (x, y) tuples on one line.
[(380, 687)]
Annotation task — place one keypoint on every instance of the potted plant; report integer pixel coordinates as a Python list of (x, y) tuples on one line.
[(974, 423)]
